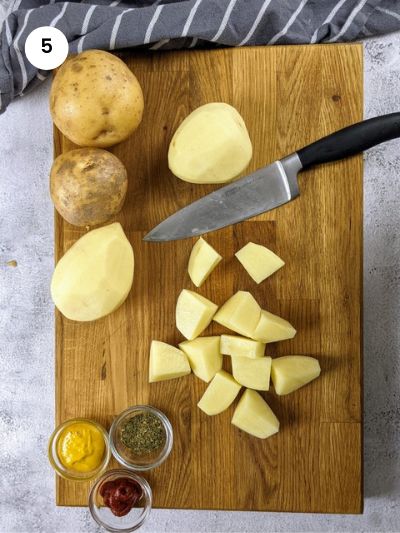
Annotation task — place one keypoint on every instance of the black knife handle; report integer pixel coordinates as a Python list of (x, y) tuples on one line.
[(351, 140)]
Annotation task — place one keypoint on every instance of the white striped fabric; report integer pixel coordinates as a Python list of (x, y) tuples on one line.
[(8, 33), (59, 16), (16, 5), (85, 27), (328, 19), (160, 44), (346, 25), (18, 51), (153, 22), (117, 23), (226, 22), (289, 23), (225, 19), (388, 12), (256, 22), (87, 18), (190, 18), (13, 6)]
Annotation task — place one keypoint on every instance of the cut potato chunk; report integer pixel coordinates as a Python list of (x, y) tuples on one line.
[(242, 347), (255, 416), (252, 373), (219, 394), (272, 328), (204, 356), (203, 259), (193, 313), (167, 362), (211, 145), (259, 261), (95, 275), (240, 313), (291, 372)]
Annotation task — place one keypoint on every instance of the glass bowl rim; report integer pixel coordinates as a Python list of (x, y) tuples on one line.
[(148, 494), (64, 472), (168, 432)]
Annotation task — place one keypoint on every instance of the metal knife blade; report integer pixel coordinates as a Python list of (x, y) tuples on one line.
[(247, 197)]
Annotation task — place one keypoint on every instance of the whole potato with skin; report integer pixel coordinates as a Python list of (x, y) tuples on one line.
[(95, 100), (88, 186)]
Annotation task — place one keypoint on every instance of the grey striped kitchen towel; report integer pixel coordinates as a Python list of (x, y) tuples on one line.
[(167, 24)]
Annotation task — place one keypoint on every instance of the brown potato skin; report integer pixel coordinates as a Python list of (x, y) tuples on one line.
[(88, 186), (95, 100)]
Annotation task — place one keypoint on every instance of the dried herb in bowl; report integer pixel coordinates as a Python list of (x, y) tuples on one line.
[(143, 434)]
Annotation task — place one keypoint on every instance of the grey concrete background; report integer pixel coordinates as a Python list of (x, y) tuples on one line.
[(26, 332)]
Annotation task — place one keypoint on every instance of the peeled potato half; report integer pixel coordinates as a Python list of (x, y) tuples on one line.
[(212, 145), (95, 275)]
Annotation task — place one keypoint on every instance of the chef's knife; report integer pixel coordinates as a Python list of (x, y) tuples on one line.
[(273, 185)]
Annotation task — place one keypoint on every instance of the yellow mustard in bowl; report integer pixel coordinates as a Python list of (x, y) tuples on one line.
[(81, 447)]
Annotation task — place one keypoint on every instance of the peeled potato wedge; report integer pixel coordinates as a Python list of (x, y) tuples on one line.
[(241, 346), (252, 373), (254, 416), (259, 261), (203, 260), (240, 313), (219, 394), (95, 275), (166, 362), (291, 372), (272, 328), (204, 356), (193, 313)]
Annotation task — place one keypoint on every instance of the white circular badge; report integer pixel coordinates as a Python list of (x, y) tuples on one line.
[(46, 48)]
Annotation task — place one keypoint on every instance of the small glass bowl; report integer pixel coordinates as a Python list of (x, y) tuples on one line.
[(136, 516), (125, 455), (67, 473)]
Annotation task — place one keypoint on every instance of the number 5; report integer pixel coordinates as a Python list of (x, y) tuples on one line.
[(46, 46)]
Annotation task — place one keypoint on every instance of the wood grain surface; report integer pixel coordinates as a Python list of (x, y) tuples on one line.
[(288, 96)]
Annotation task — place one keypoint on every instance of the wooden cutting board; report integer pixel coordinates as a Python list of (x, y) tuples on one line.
[(288, 96)]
